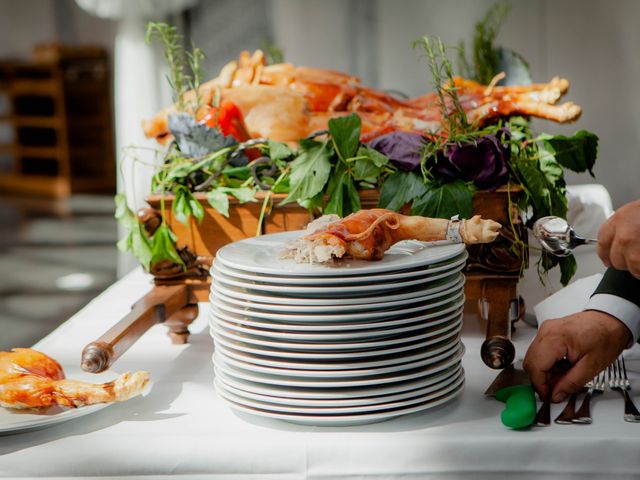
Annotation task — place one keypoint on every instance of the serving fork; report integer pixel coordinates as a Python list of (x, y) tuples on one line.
[(618, 380)]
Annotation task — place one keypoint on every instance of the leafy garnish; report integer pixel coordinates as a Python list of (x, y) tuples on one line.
[(577, 152), (309, 171), (194, 139), (401, 188), (345, 135), (163, 246), (135, 240), (178, 60), (219, 201), (485, 55), (185, 205), (445, 201)]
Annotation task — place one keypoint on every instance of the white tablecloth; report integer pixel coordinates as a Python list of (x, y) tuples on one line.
[(181, 428)]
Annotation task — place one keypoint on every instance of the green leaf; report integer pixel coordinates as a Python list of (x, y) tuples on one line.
[(335, 190), (400, 188), (370, 163), (279, 150), (219, 201), (243, 194), (312, 204), (343, 195), (550, 167), (445, 201), (577, 153), (345, 133), (378, 159), (140, 245), (309, 172), (545, 197), (185, 205), (353, 199), (242, 173), (365, 168), (568, 268), (163, 246), (135, 240)]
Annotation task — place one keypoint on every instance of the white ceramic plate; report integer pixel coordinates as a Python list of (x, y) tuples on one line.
[(332, 291), (428, 338), (262, 255), (447, 361), (249, 400), (338, 336), (18, 421), (352, 420), (367, 394), (328, 374), (453, 280), (340, 364), (285, 396), (330, 307), (453, 263), (326, 355), (432, 318)]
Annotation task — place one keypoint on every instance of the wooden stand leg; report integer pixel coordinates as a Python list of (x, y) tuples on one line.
[(499, 306), (179, 322)]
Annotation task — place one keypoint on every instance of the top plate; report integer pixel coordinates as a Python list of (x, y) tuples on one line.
[(262, 255)]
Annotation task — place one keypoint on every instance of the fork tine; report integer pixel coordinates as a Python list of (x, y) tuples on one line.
[(624, 369)]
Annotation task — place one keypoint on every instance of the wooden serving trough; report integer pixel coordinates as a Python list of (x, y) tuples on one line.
[(492, 271)]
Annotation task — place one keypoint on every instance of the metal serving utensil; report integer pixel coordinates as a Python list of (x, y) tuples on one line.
[(557, 236)]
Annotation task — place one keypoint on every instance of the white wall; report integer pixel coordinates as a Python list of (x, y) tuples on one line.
[(593, 43), (25, 23)]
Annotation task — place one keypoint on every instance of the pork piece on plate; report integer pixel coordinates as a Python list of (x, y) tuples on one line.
[(367, 234), (31, 379)]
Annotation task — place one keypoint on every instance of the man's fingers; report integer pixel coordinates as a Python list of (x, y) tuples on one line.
[(605, 237), (542, 355), (574, 379), (633, 261), (617, 257)]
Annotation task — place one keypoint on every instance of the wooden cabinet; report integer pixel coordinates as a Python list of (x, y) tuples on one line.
[(56, 132)]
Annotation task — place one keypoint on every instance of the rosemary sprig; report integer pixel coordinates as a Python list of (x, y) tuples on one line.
[(485, 55), (185, 67), (453, 115)]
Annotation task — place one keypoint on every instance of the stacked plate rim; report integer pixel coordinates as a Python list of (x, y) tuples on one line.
[(344, 344)]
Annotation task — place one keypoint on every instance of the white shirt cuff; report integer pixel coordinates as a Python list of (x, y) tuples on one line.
[(624, 310)]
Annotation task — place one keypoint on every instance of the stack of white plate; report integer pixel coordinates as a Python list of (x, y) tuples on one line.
[(351, 343)]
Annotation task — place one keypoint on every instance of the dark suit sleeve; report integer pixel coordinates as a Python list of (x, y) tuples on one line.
[(621, 284)]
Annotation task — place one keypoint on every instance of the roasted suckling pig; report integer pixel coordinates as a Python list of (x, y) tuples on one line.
[(286, 103)]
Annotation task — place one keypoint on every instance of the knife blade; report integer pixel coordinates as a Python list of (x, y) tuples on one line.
[(513, 387)]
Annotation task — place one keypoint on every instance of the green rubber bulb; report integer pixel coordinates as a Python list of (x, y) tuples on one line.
[(520, 410)]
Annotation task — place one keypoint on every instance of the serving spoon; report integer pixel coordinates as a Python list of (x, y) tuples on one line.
[(558, 237)]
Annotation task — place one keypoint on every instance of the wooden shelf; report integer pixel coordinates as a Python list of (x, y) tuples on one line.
[(60, 112), (37, 122), (56, 187)]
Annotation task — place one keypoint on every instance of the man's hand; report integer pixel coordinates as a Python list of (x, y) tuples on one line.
[(619, 239), (589, 340)]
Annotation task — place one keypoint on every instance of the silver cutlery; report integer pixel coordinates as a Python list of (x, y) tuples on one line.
[(543, 417), (566, 416), (557, 236), (596, 386), (618, 380)]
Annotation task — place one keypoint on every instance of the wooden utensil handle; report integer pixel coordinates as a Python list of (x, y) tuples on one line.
[(497, 307), (155, 307)]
